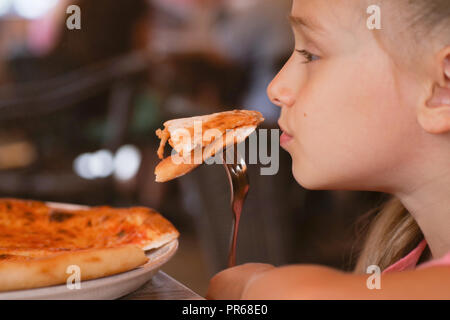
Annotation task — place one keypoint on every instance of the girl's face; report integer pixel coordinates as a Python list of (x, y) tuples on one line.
[(348, 121)]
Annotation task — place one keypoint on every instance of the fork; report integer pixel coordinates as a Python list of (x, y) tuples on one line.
[(239, 185)]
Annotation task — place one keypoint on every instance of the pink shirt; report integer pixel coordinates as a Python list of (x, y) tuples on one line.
[(409, 262)]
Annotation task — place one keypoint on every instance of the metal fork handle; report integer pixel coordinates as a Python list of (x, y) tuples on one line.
[(239, 186)]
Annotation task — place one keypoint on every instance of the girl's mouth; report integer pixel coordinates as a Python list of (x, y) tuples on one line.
[(285, 139)]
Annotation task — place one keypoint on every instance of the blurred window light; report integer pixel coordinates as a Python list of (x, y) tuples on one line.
[(101, 164), (127, 162), (81, 166), (94, 165), (5, 6), (33, 9)]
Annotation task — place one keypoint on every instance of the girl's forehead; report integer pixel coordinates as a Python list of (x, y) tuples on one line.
[(332, 15)]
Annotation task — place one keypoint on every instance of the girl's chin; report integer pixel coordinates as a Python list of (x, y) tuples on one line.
[(306, 179)]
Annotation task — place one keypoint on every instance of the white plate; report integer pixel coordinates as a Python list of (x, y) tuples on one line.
[(111, 287)]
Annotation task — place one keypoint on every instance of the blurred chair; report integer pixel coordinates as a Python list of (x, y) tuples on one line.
[(34, 101)]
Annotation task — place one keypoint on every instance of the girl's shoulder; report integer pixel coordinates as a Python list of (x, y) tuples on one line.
[(443, 261)]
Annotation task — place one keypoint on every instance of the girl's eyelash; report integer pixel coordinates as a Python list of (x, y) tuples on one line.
[(308, 55)]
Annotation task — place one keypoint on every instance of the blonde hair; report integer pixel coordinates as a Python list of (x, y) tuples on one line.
[(394, 232)]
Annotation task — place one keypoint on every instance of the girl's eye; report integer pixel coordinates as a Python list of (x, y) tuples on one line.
[(308, 55)]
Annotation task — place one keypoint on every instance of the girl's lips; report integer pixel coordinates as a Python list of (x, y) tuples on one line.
[(285, 139)]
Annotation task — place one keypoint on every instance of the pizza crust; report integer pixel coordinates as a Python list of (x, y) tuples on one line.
[(53, 270), (163, 240)]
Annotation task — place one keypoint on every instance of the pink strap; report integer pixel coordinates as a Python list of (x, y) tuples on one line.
[(408, 262)]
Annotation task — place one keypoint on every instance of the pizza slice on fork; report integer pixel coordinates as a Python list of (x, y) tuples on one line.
[(196, 139)]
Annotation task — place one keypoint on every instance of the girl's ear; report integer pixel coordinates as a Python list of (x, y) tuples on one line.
[(434, 115)]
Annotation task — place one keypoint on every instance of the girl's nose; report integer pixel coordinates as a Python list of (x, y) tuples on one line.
[(279, 91)]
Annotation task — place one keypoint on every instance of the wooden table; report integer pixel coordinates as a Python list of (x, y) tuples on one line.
[(163, 287)]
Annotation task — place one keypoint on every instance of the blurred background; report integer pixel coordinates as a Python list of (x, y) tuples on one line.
[(79, 108)]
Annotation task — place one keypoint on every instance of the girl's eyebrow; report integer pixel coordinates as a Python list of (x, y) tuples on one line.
[(310, 23)]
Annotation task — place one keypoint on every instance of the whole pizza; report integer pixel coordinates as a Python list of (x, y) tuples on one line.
[(39, 241)]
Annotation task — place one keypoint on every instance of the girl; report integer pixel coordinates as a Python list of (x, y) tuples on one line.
[(367, 109)]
